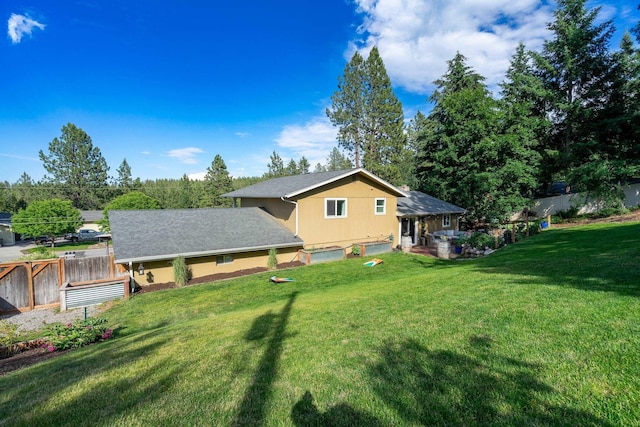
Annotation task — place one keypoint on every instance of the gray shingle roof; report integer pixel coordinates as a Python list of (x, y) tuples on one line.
[(420, 204), (146, 235), (291, 186)]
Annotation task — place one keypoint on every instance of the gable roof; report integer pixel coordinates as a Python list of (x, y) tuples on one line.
[(145, 235), (421, 204), (294, 185)]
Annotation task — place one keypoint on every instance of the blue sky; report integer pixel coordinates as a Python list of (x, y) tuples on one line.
[(168, 85)]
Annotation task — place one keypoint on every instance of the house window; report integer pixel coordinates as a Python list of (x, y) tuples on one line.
[(446, 220), (224, 259), (335, 208), (381, 206)]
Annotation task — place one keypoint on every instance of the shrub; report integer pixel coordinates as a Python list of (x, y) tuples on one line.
[(74, 335), (272, 262), (355, 250), (480, 240), (181, 272)]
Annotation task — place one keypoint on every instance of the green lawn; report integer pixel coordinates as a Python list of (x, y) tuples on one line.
[(544, 332)]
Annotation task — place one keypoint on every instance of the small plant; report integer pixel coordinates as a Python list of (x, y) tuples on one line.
[(181, 272), (74, 335), (9, 334), (272, 262), (355, 250)]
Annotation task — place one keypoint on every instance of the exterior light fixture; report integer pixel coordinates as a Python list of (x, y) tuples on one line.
[(140, 269)]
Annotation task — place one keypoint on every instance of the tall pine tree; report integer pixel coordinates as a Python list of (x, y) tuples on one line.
[(217, 182), (370, 118)]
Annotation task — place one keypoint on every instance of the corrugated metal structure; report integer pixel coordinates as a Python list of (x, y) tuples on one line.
[(73, 296)]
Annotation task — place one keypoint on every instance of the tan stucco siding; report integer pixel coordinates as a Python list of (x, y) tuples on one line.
[(283, 211), (361, 224), (162, 271)]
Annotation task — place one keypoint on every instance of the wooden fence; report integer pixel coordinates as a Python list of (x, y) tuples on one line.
[(26, 285)]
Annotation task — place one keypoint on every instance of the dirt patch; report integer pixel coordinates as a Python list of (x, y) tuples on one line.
[(27, 358)]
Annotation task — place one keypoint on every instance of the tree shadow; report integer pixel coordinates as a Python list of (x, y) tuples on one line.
[(443, 387), (271, 327), (305, 414)]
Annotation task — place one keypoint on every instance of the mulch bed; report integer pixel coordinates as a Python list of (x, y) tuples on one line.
[(27, 358), (214, 277)]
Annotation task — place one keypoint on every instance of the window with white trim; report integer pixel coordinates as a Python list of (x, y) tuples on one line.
[(335, 208), (224, 259), (381, 206), (446, 220)]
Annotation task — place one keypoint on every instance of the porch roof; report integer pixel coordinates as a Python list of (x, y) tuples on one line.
[(422, 204)]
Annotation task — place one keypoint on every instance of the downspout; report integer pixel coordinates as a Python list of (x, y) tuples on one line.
[(296, 205), (133, 280)]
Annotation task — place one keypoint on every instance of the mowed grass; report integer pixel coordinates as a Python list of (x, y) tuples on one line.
[(544, 332)]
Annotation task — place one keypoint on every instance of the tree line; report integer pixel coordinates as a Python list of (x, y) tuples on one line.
[(569, 112)]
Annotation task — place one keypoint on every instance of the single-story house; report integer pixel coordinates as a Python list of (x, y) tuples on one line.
[(310, 211), (212, 240), (7, 236), (421, 215)]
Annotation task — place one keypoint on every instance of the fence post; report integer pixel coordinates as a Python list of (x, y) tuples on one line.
[(30, 285)]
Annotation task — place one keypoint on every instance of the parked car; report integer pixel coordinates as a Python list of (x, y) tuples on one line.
[(83, 235), (43, 240)]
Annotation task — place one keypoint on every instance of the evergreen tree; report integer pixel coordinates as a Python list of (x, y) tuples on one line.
[(217, 182), (575, 67), (616, 157), (303, 166), (124, 180), (337, 161), (370, 118), (522, 125), (385, 144), (458, 152), (348, 107), (78, 167), (276, 166), (319, 168), (291, 168)]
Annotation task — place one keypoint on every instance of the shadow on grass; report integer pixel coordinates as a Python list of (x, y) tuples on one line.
[(306, 414), (273, 328), (442, 387), (70, 400), (599, 258)]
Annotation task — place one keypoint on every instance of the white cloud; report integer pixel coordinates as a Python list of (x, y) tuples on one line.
[(242, 134), (197, 176), (314, 140), (186, 155), (19, 25), (417, 37)]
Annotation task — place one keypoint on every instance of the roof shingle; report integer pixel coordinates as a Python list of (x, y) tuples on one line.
[(145, 235)]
